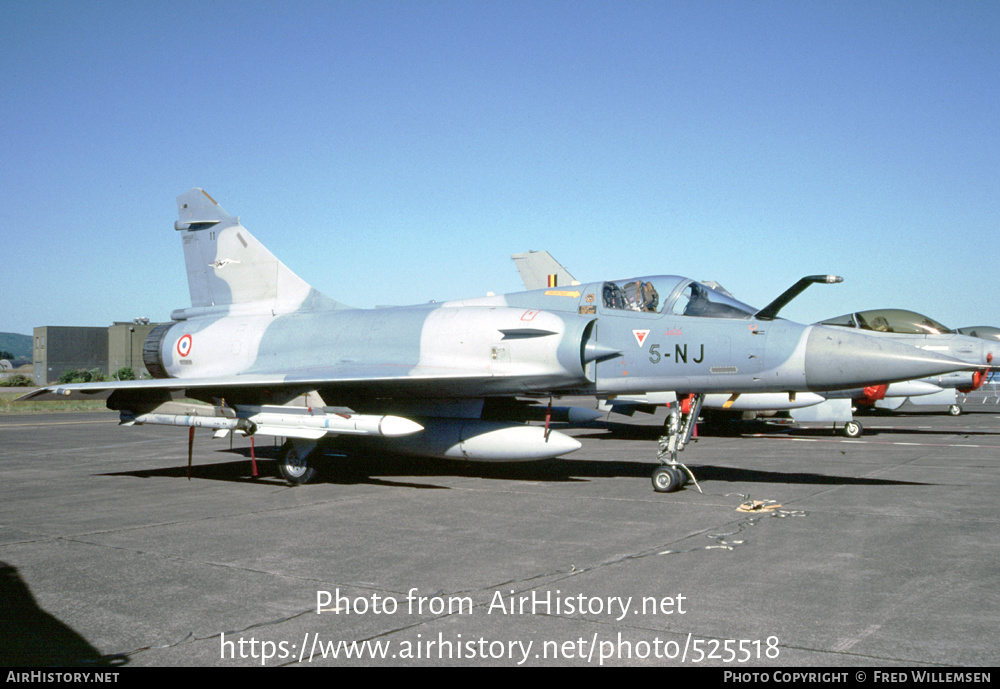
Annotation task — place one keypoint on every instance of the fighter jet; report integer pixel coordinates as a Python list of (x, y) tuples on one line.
[(439, 380), (923, 332), (836, 406), (986, 332)]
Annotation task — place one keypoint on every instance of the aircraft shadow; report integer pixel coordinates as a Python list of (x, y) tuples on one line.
[(31, 637), (736, 475), (379, 468)]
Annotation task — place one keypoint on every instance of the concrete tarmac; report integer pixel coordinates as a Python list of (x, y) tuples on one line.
[(885, 551)]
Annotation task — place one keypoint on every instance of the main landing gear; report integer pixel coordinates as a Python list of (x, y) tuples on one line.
[(293, 462), (672, 475)]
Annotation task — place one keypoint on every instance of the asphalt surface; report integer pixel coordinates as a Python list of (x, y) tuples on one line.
[(884, 552)]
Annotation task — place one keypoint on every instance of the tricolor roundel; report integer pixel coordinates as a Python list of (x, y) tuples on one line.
[(184, 345)]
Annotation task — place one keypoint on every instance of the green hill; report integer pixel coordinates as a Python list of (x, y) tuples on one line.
[(18, 345)]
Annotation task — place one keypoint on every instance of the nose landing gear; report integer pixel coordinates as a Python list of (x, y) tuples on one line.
[(672, 475)]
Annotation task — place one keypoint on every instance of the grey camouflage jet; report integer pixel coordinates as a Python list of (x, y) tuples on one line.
[(444, 379), (835, 406)]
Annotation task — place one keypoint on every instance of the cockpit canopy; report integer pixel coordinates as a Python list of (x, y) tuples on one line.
[(986, 332), (670, 294), (890, 321)]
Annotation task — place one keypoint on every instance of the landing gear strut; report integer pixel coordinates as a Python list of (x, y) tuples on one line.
[(671, 475)]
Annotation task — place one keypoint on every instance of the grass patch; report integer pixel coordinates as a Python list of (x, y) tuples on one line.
[(8, 406)]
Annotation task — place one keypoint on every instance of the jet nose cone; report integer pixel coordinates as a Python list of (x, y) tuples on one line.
[(837, 358)]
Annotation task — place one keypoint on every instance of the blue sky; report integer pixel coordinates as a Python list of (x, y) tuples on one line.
[(398, 152)]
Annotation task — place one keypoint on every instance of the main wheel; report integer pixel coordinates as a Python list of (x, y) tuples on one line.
[(293, 466), (852, 429), (667, 479)]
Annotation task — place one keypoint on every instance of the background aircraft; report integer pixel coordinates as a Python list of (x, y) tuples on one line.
[(440, 379), (925, 333)]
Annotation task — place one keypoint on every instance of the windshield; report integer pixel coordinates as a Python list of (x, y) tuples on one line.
[(674, 295), (697, 299), (890, 321)]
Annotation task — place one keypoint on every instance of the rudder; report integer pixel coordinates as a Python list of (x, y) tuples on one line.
[(228, 267)]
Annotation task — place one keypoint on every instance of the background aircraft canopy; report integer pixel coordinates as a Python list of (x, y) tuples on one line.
[(986, 332), (890, 321), (675, 295)]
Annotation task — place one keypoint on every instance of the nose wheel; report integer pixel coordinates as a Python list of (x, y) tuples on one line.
[(853, 429), (668, 478)]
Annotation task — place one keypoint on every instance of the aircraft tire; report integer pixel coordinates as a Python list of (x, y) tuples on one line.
[(293, 467), (853, 429), (954, 410), (667, 479)]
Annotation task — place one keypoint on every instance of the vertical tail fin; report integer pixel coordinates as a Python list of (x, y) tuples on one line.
[(228, 269), (538, 270)]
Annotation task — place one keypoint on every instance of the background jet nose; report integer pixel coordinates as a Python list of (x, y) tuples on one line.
[(837, 358)]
